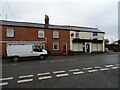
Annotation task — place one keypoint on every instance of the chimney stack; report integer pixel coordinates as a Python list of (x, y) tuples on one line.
[(46, 21)]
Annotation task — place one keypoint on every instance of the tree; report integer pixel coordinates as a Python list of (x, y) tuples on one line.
[(106, 41), (118, 41)]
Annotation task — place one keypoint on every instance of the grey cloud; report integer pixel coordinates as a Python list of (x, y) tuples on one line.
[(102, 14)]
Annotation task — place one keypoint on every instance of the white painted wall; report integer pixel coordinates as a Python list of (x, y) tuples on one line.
[(87, 35)]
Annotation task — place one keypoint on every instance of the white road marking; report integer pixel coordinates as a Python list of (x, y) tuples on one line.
[(87, 68), (78, 72), (26, 80), (45, 77), (103, 69), (14, 64), (6, 65), (55, 72), (97, 67), (43, 61), (25, 76), (109, 65), (43, 73), (57, 60), (72, 70), (115, 67), (62, 75), (51, 61), (92, 70), (72, 59), (9, 78), (1, 84), (63, 60), (117, 64)]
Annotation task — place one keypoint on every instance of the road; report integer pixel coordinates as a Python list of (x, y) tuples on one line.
[(89, 71)]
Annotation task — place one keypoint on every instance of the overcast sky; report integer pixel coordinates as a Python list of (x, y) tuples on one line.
[(101, 13)]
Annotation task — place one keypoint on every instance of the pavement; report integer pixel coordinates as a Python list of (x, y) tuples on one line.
[(77, 71), (7, 61)]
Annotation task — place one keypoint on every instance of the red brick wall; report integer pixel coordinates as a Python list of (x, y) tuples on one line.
[(0, 41), (64, 36), (31, 34)]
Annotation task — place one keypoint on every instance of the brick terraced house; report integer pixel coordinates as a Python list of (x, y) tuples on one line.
[(56, 39)]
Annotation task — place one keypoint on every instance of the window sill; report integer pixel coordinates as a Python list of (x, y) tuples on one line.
[(56, 49), (9, 37), (41, 38), (55, 38)]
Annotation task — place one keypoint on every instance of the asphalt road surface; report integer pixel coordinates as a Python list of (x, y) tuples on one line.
[(89, 71)]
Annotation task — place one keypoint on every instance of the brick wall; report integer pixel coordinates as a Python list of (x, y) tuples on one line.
[(31, 34), (0, 41)]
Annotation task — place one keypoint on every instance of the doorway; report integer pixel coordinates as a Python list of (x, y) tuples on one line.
[(88, 47), (64, 48)]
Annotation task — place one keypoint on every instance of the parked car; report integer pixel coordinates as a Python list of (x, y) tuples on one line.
[(17, 51), (106, 50)]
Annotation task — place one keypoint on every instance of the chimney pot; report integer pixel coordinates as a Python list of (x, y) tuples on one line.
[(46, 21)]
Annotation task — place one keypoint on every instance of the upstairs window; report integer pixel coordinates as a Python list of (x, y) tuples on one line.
[(55, 34), (10, 32), (95, 34), (55, 46), (41, 34), (77, 35)]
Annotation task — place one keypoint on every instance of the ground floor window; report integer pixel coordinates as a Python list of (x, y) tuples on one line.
[(100, 46), (77, 46), (55, 46), (97, 47), (94, 47), (41, 45)]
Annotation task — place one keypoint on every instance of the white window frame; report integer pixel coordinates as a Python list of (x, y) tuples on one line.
[(10, 34), (55, 34), (57, 45), (76, 35), (42, 32)]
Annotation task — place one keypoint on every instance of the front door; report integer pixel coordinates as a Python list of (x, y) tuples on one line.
[(64, 49), (87, 47)]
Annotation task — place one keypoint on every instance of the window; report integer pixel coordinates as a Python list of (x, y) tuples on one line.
[(77, 35), (36, 48), (41, 34), (94, 47), (41, 45), (10, 32), (95, 34), (55, 46), (55, 34)]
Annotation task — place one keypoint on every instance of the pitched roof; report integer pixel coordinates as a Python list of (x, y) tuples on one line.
[(39, 25)]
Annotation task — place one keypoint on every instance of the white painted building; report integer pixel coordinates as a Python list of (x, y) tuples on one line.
[(86, 39)]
